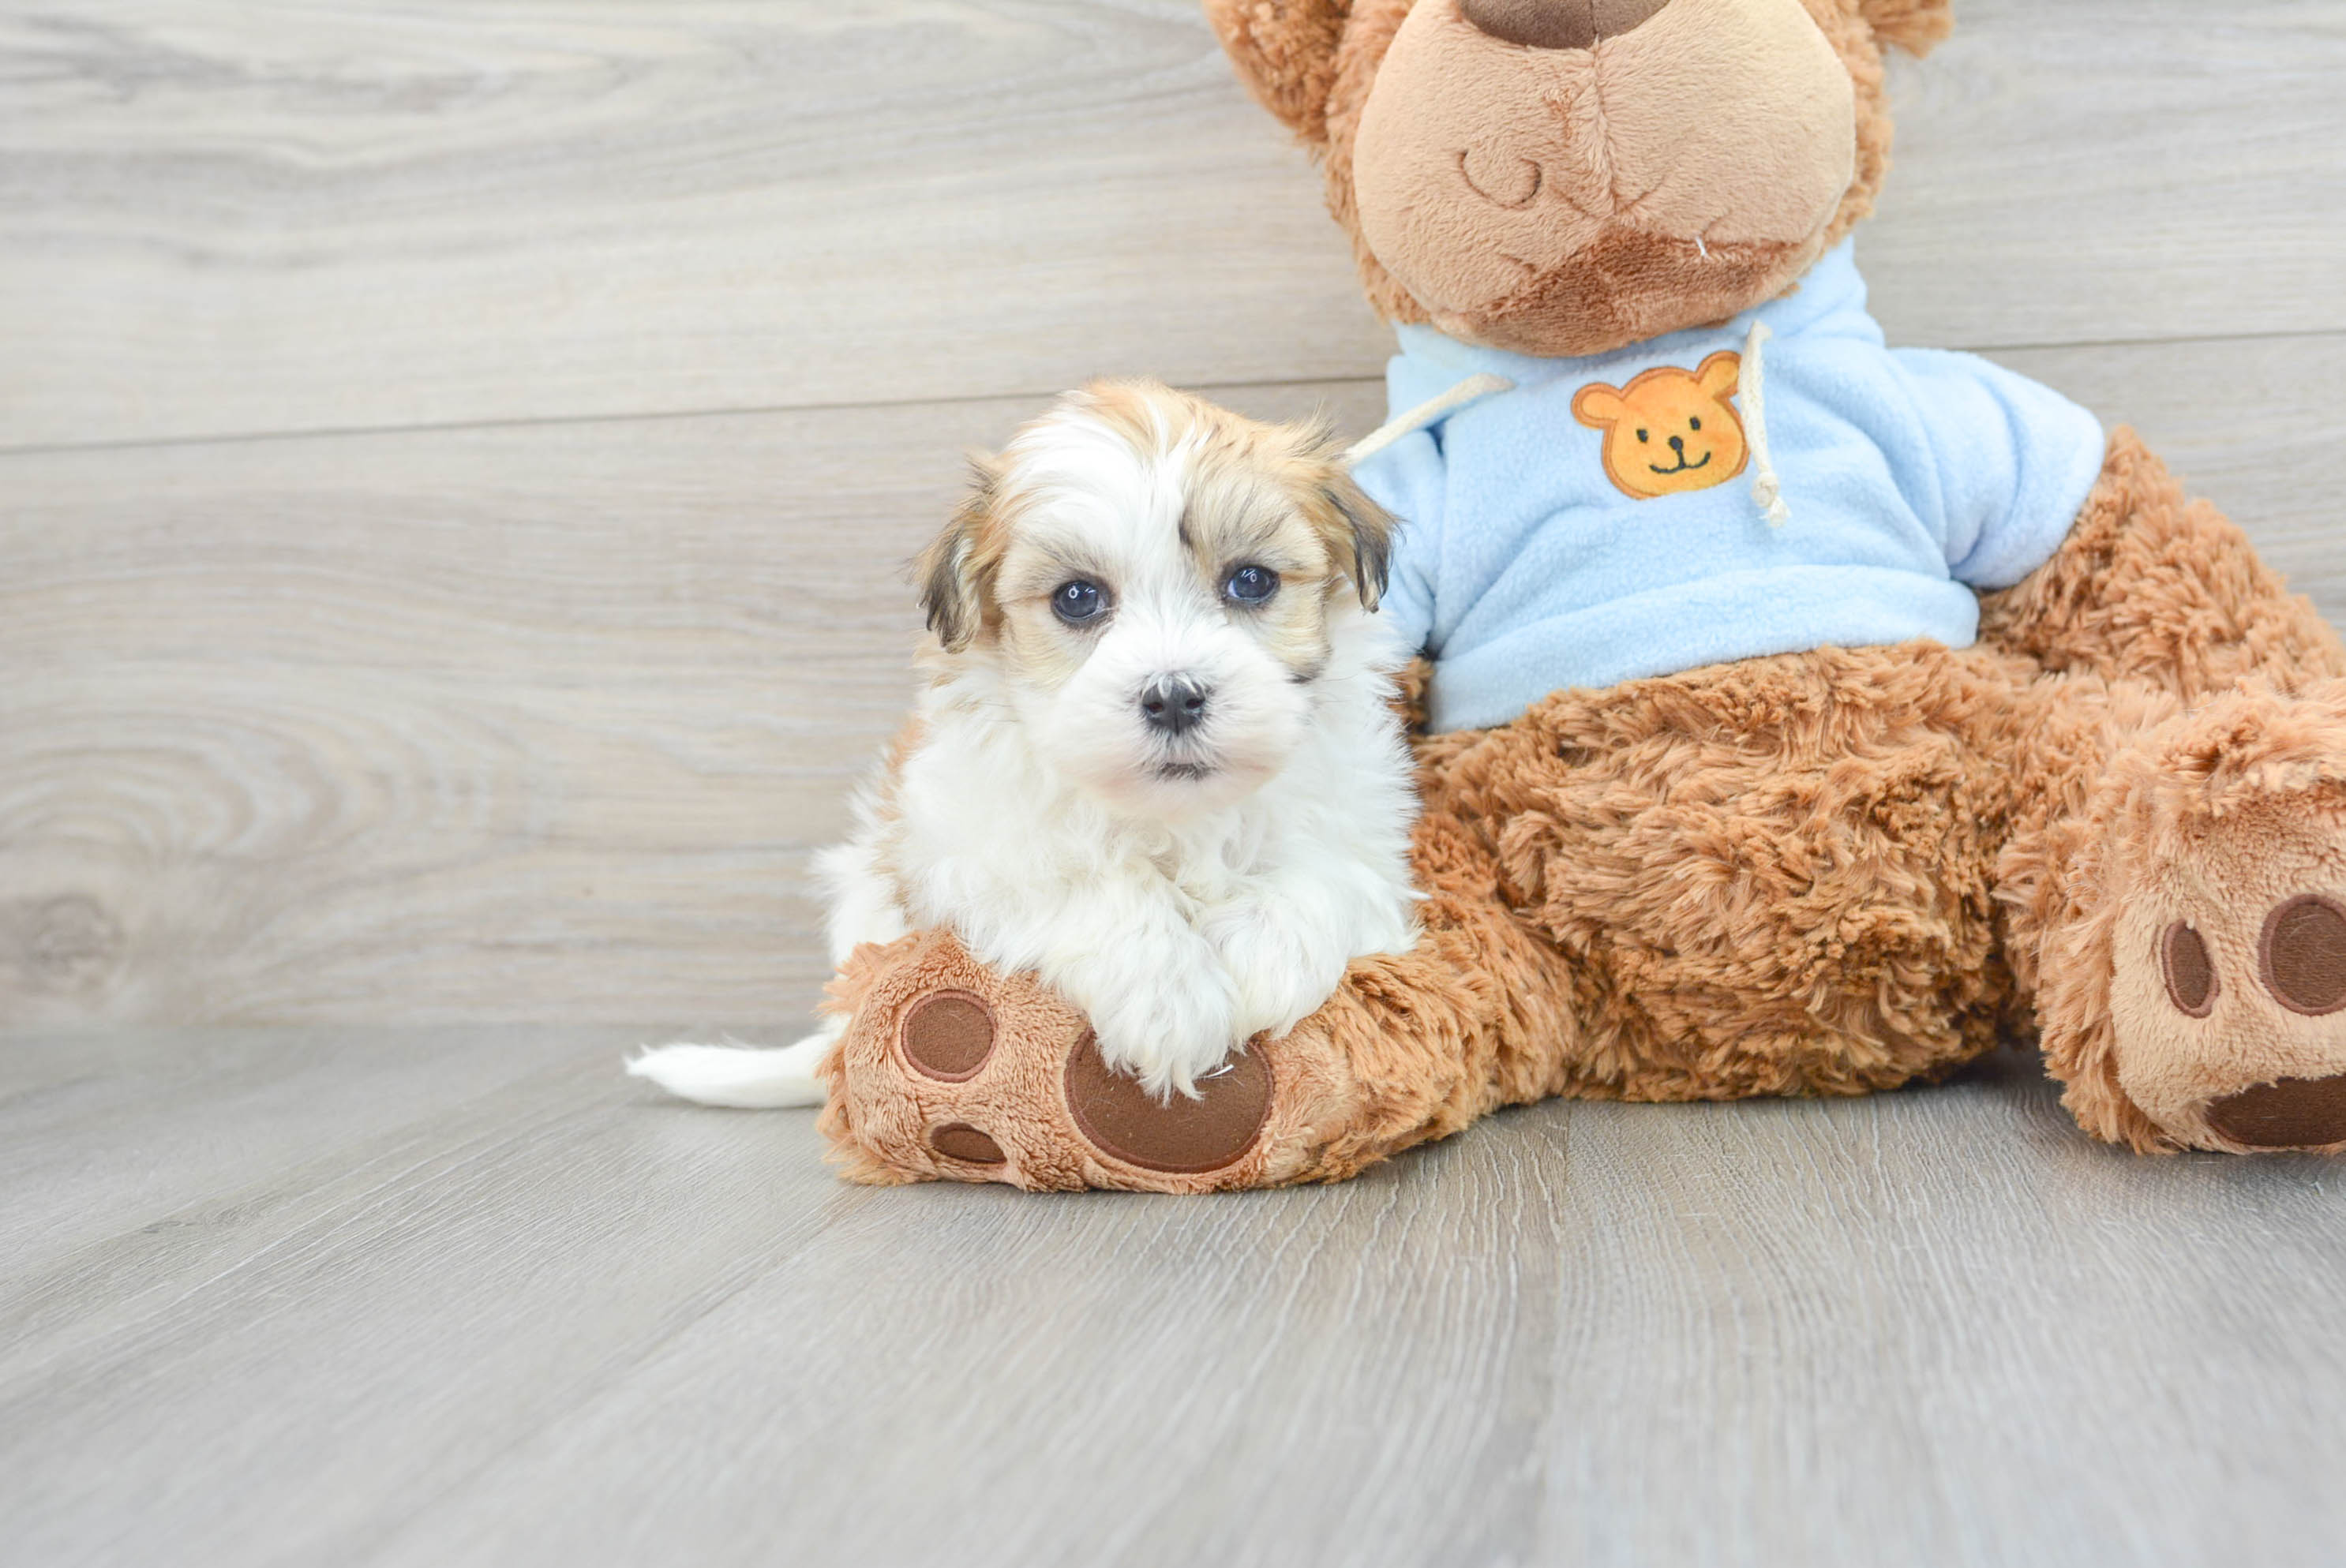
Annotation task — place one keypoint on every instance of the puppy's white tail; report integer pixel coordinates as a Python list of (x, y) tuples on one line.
[(737, 1075)]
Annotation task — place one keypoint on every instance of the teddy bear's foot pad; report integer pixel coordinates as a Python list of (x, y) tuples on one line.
[(2299, 966), (2301, 961), (2293, 1113), (949, 1072), (2223, 855), (1189, 1136)]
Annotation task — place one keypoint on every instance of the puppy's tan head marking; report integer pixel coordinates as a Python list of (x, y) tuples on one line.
[(1277, 499), (1254, 481)]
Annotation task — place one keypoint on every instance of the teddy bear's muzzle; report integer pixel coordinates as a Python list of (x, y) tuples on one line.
[(1537, 194), (1558, 23)]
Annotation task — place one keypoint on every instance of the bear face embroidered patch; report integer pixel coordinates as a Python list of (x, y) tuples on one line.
[(1669, 430)]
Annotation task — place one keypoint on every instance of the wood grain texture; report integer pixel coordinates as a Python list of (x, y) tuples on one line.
[(219, 216), (405, 1308), (543, 723)]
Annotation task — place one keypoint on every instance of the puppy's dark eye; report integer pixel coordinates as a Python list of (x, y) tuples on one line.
[(1641, 435), (1252, 584), (1078, 603), (1694, 425)]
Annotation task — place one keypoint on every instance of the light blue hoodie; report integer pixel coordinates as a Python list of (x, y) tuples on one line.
[(1909, 476)]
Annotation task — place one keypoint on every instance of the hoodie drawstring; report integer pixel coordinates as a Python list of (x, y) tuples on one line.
[(1473, 388), (1752, 383)]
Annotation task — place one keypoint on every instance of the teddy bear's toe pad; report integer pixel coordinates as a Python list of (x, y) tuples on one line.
[(2190, 973), (1184, 1137), (2302, 956), (947, 1035), (960, 1141)]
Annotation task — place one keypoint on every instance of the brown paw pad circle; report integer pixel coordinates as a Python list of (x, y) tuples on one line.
[(2294, 1113), (960, 1141), (2190, 973), (947, 1035), (2303, 955), (1187, 1137)]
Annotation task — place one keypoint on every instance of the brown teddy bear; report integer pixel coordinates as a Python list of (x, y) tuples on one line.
[(1949, 716)]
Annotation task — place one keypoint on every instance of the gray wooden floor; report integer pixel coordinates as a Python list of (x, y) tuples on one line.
[(454, 460)]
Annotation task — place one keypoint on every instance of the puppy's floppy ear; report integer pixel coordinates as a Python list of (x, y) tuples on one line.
[(1358, 532), (1372, 529), (953, 571), (1913, 25), (1285, 52)]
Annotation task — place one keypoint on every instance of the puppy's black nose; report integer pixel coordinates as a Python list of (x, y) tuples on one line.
[(1558, 23), (1678, 444), (1174, 703)]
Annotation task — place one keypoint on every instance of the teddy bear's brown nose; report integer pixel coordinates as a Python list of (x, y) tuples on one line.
[(1557, 23)]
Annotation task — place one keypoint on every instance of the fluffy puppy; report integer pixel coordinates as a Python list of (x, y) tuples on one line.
[(1155, 762)]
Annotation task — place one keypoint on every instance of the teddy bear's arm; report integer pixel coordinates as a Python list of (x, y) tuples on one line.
[(2006, 464)]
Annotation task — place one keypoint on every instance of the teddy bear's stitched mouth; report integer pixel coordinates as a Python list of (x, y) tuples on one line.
[(1570, 291), (1684, 466)]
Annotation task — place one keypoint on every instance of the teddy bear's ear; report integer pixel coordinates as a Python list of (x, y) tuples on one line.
[(1913, 25), (1598, 407), (1285, 52), (1719, 374)]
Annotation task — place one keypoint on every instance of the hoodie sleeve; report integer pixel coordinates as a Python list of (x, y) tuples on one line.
[(2014, 464), (1407, 480)]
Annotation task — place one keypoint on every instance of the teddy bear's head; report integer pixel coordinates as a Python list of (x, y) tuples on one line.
[(1567, 177)]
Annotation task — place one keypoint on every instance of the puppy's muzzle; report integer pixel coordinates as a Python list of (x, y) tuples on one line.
[(1174, 703)]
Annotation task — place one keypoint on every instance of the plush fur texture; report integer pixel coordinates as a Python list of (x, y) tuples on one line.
[(1155, 762), (2119, 821)]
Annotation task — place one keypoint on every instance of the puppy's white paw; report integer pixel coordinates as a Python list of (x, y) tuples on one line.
[(1280, 979), (1168, 1035)]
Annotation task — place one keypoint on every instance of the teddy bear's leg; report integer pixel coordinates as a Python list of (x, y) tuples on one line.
[(950, 1072), (2178, 827), (2151, 585), (2177, 889), (1769, 877)]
